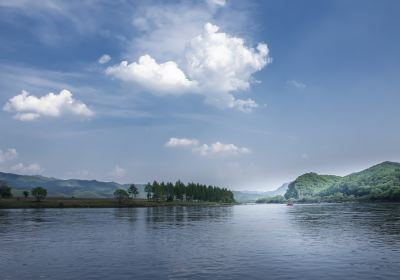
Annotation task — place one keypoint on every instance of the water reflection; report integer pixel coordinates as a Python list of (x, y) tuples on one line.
[(126, 214), (364, 220), (326, 241), (185, 216)]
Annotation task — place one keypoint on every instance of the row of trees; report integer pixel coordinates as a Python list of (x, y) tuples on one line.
[(38, 193), (177, 191), (190, 192), (122, 194)]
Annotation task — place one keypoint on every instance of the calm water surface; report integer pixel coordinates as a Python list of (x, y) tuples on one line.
[(335, 241)]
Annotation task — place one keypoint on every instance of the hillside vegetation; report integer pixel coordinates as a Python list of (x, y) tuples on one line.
[(63, 188), (380, 183)]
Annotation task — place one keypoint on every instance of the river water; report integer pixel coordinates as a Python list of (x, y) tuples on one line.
[(319, 241)]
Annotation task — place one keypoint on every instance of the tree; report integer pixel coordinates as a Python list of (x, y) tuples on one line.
[(170, 191), (156, 190), (148, 190), (179, 190), (26, 194), (121, 195), (133, 190), (39, 193), (5, 190)]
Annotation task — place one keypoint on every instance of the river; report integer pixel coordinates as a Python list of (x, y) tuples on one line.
[(315, 241)]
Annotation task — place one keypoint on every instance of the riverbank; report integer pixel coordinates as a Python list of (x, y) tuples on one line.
[(54, 202)]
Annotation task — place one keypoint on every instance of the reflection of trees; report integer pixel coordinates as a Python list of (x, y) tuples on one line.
[(126, 214), (5, 220), (185, 216), (36, 215), (362, 219), (26, 220)]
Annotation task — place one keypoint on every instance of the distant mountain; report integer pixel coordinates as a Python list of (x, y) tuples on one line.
[(64, 188), (379, 182), (251, 196), (281, 190)]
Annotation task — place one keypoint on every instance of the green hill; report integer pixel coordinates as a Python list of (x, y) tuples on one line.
[(379, 182), (64, 188)]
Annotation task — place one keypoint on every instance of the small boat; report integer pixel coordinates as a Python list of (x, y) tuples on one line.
[(289, 203)]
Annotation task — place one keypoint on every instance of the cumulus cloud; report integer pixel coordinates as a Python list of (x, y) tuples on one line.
[(222, 62), (219, 148), (163, 78), (8, 163), (8, 155), (118, 172), (296, 84), (216, 148), (162, 33), (32, 168), (181, 142), (104, 59), (29, 107), (215, 64)]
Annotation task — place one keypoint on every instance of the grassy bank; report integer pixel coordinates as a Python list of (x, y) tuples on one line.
[(14, 203)]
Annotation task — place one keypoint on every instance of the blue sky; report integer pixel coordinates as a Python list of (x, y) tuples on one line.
[(231, 93)]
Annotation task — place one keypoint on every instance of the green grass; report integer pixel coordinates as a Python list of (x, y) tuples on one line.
[(60, 202)]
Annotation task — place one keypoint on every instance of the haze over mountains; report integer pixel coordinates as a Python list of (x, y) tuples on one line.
[(251, 196), (98, 189), (381, 181)]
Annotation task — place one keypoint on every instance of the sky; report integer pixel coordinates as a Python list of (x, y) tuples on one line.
[(241, 94)]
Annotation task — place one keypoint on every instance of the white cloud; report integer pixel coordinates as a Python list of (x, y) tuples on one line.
[(104, 59), (118, 172), (29, 107), (217, 2), (165, 29), (215, 64), (223, 63), (244, 105), (7, 163), (32, 168), (296, 84), (8, 155), (216, 148), (163, 78), (219, 148), (181, 142)]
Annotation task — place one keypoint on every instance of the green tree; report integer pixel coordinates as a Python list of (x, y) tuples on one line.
[(148, 190), (121, 195), (170, 191), (179, 190), (133, 190), (26, 194), (5, 190), (39, 193), (156, 190)]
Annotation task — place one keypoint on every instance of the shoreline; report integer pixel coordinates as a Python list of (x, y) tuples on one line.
[(332, 202), (54, 202)]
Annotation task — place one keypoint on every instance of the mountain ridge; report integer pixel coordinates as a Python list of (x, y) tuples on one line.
[(378, 182)]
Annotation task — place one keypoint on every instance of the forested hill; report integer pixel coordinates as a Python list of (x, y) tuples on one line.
[(58, 187), (379, 182)]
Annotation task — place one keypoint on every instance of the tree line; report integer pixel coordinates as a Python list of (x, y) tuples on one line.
[(161, 191), (38, 193), (154, 192)]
